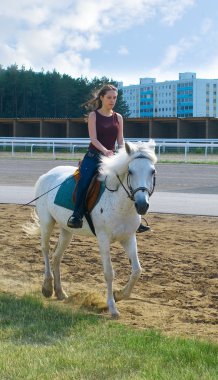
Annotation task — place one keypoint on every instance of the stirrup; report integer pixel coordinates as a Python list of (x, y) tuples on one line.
[(143, 228)]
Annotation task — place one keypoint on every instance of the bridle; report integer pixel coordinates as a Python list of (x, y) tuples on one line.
[(130, 191)]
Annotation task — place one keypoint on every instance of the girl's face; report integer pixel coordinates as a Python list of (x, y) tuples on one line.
[(109, 99)]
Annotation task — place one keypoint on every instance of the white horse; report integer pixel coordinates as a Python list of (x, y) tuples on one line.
[(116, 217)]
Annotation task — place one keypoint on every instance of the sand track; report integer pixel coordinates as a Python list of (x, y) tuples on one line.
[(177, 292)]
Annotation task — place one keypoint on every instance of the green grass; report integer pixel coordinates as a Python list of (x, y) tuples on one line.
[(51, 342)]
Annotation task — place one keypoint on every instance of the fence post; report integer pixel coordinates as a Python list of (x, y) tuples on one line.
[(205, 152), (53, 150), (159, 146), (186, 149), (31, 150)]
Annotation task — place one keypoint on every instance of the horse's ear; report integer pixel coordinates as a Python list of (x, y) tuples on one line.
[(128, 148), (151, 144)]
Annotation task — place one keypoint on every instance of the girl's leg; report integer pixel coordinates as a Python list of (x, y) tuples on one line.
[(88, 169)]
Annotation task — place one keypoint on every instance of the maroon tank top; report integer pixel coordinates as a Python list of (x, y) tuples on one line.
[(107, 130)]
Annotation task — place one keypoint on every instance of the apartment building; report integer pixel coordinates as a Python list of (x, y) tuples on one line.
[(188, 96)]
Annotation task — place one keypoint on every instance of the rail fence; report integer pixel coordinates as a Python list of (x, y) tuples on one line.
[(166, 149)]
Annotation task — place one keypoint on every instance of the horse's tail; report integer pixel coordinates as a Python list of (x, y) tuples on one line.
[(32, 228)]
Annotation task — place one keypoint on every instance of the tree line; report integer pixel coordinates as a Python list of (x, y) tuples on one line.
[(25, 93)]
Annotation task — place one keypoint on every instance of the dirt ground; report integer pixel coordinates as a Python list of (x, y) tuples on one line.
[(177, 292)]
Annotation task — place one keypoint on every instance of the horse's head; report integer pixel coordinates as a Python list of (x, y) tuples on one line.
[(141, 173), (135, 162)]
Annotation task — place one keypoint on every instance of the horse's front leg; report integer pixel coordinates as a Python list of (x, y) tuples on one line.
[(130, 246), (104, 246), (63, 242)]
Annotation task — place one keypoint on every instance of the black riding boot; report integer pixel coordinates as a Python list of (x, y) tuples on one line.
[(75, 221), (143, 228)]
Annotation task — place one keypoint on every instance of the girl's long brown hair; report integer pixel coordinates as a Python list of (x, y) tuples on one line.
[(95, 102)]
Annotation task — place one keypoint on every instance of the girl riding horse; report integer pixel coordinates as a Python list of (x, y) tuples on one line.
[(105, 129)]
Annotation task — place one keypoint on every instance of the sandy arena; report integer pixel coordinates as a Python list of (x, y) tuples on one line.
[(176, 293)]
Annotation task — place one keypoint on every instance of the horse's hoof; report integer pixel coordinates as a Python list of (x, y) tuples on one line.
[(61, 296), (47, 287), (117, 295), (47, 292), (115, 315)]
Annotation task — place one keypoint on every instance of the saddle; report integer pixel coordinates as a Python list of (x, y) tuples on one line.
[(92, 193)]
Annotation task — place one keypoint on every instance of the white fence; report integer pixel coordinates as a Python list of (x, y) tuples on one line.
[(31, 145), (183, 149)]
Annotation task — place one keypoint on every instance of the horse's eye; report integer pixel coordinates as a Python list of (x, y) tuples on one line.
[(130, 172)]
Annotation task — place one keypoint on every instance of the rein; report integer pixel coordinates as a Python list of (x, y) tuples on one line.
[(131, 192), (41, 195)]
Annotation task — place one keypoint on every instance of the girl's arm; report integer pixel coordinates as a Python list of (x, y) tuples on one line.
[(120, 138)]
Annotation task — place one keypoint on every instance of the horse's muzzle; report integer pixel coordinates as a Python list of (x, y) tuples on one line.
[(141, 207)]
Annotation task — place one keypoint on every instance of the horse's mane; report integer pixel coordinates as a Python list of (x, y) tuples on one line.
[(118, 164)]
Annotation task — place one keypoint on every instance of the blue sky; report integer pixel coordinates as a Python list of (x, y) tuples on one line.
[(124, 40)]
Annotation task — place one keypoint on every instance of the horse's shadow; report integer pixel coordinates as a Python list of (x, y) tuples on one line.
[(28, 320)]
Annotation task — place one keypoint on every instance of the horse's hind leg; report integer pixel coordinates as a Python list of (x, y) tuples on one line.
[(130, 246), (46, 230), (63, 242)]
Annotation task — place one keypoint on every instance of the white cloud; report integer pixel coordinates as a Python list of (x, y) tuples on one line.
[(206, 26), (41, 33), (70, 64), (172, 10), (173, 59), (123, 50)]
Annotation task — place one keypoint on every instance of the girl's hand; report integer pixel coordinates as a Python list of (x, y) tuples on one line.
[(108, 153)]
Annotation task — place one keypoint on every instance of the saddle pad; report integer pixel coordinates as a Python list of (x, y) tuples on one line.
[(64, 196)]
